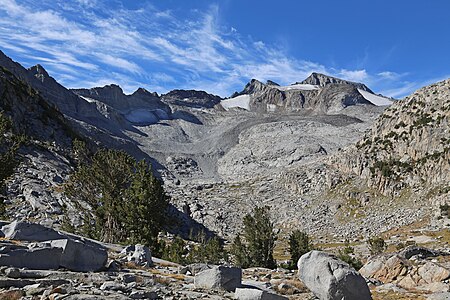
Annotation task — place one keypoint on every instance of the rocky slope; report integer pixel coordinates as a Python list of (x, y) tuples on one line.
[(408, 147)]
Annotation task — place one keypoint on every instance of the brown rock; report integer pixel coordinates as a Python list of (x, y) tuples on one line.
[(431, 272)]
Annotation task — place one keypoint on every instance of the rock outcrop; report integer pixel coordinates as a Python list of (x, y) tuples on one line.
[(114, 96), (410, 269), (331, 279), (34, 246), (407, 147), (191, 98)]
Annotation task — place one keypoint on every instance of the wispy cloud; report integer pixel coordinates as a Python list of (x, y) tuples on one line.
[(354, 75), (89, 42)]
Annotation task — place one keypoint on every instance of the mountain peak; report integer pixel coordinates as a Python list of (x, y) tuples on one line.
[(39, 72), (324, 80), (253, 86), (270, 82), (321, 79), (144, 92)]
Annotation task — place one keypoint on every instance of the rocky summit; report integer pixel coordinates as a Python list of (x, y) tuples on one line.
[(328, 156)]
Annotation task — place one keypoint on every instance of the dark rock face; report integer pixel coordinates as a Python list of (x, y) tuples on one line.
[(336, 96), (114, 96), (330, 95), (80, 257), (56, 96), (324, 80), (30, 113), (191, 98)]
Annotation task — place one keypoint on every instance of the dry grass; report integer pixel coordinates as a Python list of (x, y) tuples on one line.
[(295, 286), (281, 251), (166, 264), (442, 236), (158, 273), (411, 229), (163, 280), (396, 296), (131, 265), (11, 295), (11, 241)]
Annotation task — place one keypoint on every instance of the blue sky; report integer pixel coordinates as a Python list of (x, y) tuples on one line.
[(394, 46)]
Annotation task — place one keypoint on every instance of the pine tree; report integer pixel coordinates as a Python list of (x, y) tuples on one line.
[(260, 240), (146, 210), (240, 253), (299, 244), (126, 202), (8, 149), (175, 251)]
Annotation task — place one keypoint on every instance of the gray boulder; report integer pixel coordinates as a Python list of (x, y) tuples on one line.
[(330, 278), (40, 258), (24, 231), (219, 278), (195, 268), (138, 254), (80, 257), (255, 294)]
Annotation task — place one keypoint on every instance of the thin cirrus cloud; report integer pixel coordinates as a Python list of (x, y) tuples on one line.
[(89, 43)]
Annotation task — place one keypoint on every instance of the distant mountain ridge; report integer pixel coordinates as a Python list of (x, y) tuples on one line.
[(323, 80), (318, 93)]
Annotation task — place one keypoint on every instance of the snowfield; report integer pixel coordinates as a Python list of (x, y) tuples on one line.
[(375, 99), (90, 100), (303, 87), (145, 116), (242, 101)]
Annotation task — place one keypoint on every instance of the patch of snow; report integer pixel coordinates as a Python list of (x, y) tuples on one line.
[(271, 107), (90, 100), (242, 101), (142, 116), (375, 99), (302, 87)]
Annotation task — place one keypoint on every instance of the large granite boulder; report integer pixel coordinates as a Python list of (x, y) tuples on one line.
[(42, 248), (37, 257), (219, 278), (25, 231), (255, 294), (330, 278), (80, 257)]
